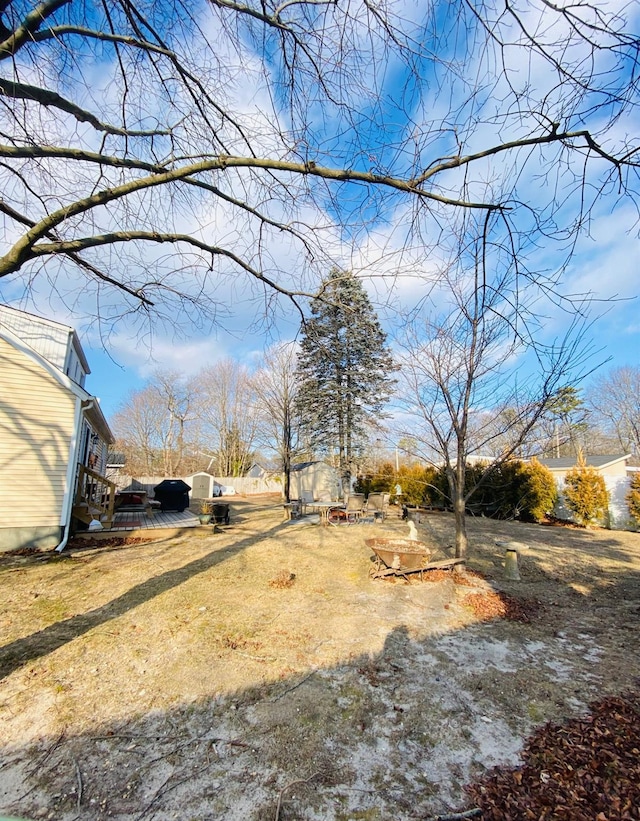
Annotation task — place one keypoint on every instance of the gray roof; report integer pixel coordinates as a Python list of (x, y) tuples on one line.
[(303, 465), (596, 461)]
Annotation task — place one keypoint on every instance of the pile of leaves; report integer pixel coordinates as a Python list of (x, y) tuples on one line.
[(284, 579), (586, 768), (110, 541), (497, 605), (468, 578), (22, 551), (491, 604), (553, 521), (487, 604), (434, 576)]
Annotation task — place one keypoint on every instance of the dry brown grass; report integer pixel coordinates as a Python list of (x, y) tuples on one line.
[(203, 675)]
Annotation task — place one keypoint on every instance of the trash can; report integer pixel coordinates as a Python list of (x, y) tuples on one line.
[(220, 513), (173, 494)]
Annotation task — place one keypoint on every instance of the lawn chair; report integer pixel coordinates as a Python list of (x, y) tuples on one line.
[(376, 506), (306, 500), (354, 507)]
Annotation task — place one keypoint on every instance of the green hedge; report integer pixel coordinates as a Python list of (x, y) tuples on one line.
[(513, 490)]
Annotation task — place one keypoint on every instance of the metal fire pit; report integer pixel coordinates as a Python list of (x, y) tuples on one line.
[(398, 556)]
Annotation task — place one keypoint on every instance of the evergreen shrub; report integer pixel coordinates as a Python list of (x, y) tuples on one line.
[(422, 486), (512, 490), (586, 494), (383, 480), (539, 492), (633, 498)]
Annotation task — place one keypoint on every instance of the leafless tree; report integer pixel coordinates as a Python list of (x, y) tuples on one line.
[(136, 425), (176, 395), (563, 429), (475, 353), (276, 385), (184, 154), (614, 399), (228, 416), (152, 422)]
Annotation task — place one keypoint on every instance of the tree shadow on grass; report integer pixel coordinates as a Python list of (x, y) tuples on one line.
[(396, 733), (392, 733), (27, 649)]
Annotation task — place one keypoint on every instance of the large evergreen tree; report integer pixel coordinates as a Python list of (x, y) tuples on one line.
[(345, 370)]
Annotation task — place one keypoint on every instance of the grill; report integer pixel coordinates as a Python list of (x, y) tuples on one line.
[(173, 494)]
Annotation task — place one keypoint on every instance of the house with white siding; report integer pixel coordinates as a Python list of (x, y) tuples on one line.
[(53, 435), (614, 470)]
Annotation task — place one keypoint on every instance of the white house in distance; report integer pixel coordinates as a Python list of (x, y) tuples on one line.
[(613, 468), (53, 435)]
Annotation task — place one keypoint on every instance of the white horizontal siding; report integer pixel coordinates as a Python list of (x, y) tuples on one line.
[(50, 339), (36, 430)]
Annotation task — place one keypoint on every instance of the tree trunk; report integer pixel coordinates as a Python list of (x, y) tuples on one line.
[(461, 526), (287, 483), (456, 485), (287, 436), (286, 470)]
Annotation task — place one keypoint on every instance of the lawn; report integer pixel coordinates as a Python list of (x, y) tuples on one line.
[(259, 673)]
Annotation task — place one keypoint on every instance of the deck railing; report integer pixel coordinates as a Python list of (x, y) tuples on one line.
[(95, 496)]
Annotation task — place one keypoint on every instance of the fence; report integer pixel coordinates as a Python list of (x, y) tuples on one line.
[(247, 486), (618, 515), (243, 485)]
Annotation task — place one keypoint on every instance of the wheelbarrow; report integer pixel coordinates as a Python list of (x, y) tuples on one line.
[(400, 557)]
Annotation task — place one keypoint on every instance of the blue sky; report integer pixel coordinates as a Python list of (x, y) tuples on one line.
[(391, 123), (608, 267)]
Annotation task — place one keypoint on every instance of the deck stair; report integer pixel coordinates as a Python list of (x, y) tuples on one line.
[(95, 497)]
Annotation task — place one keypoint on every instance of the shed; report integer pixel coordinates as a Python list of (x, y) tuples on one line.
[(116, 460), (317, 478), (608, 464), (256, 471), (203, 485)]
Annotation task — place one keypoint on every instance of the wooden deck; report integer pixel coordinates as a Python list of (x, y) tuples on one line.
[(158, 520)]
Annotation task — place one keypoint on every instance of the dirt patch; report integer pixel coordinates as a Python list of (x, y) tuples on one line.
[(259, 672)]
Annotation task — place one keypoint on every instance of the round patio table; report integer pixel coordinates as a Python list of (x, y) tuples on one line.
[(323, 509)]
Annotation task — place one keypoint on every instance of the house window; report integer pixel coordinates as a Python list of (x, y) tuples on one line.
[(86, 436)]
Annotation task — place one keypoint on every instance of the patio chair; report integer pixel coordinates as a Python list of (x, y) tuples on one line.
[(376, 506), (306, 500), (354, 507)]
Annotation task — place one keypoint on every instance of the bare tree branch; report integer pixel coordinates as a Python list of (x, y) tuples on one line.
[(280, 134), (21, 91), (24, 33), (71, 247), (77, 154)]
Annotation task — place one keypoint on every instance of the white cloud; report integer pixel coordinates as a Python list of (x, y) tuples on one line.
[(397, 249)]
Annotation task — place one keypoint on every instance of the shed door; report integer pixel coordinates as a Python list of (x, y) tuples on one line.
[(201, 486)]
